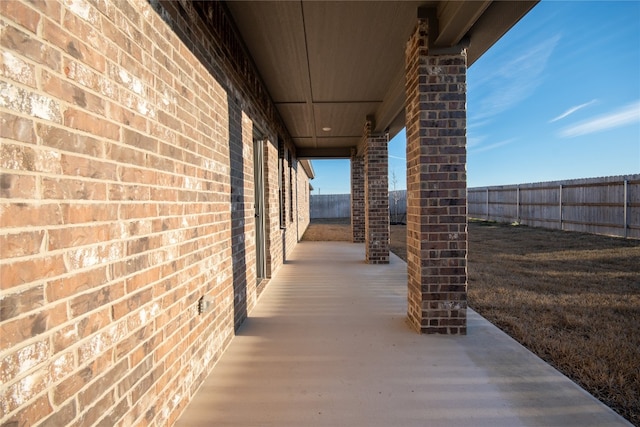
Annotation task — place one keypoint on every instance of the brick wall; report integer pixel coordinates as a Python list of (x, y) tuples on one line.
[(243, 247), (126, 195), (357, 199), (290, 230), (376, 197), (303, 200), (436, 188), (275, 256)]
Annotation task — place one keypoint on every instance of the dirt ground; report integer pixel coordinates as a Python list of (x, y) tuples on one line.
[(328, 230), (571, 298)]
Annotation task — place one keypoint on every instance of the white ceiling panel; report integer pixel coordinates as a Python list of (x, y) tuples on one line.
[(304, 142), (338, 142), (333, 63), (274, 33), (344, 119), (355, 48), (298, 118)]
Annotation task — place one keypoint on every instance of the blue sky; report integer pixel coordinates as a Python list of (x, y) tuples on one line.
[(558, 97)]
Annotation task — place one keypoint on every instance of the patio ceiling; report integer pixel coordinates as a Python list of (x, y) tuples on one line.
[(328, 65)]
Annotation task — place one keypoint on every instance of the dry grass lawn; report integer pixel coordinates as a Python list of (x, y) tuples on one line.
[(571, 298)]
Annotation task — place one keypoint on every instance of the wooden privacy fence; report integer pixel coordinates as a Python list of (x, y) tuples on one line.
[(339, 205), (607, 205), (330, 206)]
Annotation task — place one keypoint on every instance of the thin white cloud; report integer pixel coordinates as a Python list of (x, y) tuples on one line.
[(622, 117), (492, 146), (572, 110), (396, 157), (515, 80), (472, 141), (476, 124)]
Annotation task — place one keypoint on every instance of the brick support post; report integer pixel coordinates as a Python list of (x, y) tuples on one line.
[(436, 188), (376, 196), (357, 198)]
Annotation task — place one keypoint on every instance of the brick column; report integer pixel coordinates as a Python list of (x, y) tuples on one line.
[(376, 196), (357, 198), (436, 188)]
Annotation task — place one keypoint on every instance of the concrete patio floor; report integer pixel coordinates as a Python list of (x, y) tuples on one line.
[(328, 345)]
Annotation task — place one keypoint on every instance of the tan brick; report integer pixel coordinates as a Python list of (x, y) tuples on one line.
[(94, 322), (126, 116), (18, 330), (61, 366), (26, 45), (62, 416), (25, 214), (17, 157), (73, 189), (129, 192), (127, 155), (20, 13), (140, 394), (138, 73), (115, 414), (16, 128), (106, 7), (137, 175), (92, 212), (161, 163), (90, 415), (20, 244), (17, 303), (142, 279), (71, 285), (81, 120), (139, 140), (51, 9), (144, 350), (23, 359), (15, 68), (102, 381), (88, 168), (29, 270), (128, 269), (132, 303), (113, 33), (70, 44), (31, 414), (138, 210), (63, 139), (82, 19), (135, 375), (29, 103), (78, 236), (71, 385), (121, 269), (101, 297), (74, 95), (99, 347)]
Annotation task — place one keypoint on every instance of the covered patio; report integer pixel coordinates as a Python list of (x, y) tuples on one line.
[(328, 344), (345, 77)]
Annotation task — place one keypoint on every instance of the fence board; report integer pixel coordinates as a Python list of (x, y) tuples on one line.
[(339, 205), (591, 205), (607, 205)]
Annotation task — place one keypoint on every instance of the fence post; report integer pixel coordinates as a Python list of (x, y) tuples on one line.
[(626, 207), (487, 203), (561, 226), (518, 203)]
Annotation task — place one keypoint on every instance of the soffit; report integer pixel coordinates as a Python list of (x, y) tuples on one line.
[(331, 64)]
